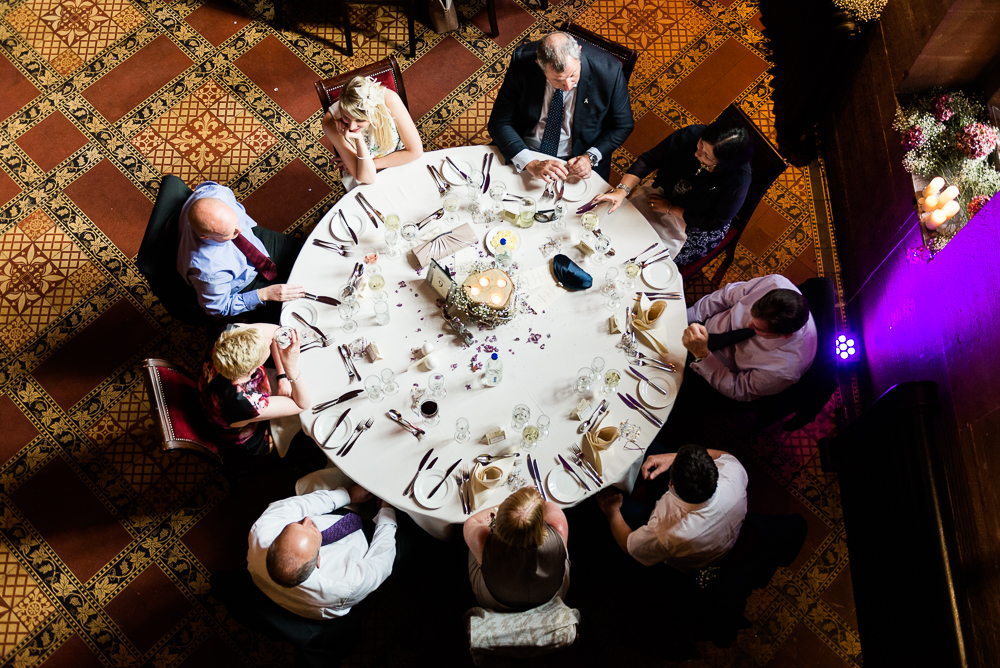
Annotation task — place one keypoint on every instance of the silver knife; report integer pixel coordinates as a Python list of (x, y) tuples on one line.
[(346, 396), (651, 383), (538, 476), (367, 212), (436, 182), (601, 407), (423, 461), (489, 166), (634, 405), (377, 213), (312, 327), (444, 479), (575, 474), (339, 420), (464, 176), (350, 360), (353, 235), (589, 470), (343, 356)]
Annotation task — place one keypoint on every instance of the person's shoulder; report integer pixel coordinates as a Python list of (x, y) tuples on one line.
[(598, 57)]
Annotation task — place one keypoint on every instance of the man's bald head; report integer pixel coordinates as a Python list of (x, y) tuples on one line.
[(294, 554), (557, 50), (213, 219)]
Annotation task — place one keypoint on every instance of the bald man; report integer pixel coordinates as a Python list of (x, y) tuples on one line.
[(316, 564), (233, 264)]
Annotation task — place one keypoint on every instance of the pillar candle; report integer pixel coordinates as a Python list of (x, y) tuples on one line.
[(930, 202), (950, 208), (950, 193), (934, 186), (937, 218)]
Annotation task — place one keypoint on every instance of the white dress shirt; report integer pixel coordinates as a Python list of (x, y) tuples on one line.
[(689, 536), (526, 155), (759, 366), (349, 569)]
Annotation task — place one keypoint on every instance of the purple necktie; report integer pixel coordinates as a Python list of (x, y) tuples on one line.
[(345, 526), (260, 262)]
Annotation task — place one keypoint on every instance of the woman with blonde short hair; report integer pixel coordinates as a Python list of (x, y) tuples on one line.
[(518, 557), (236, 393), (370, 129)]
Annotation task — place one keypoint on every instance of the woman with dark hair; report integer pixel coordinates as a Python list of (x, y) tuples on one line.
[(702, 179), (517, 552)]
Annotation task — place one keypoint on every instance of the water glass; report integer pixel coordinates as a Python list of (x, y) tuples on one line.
[(597, 366), (543, 423), (389, 384), (436, 386), (283, 337), (475, 186), (347, 315), (526, 212), (478, 212), (429, 412), (505, 261), (584, 378), (529, 438), (391, 239), (408, 232), (498, 190), (609, 282), (601, 246), (611, 379), (520, 416), (381, 311), (373, 386), (462, 433), (451, 206), (558, 216)]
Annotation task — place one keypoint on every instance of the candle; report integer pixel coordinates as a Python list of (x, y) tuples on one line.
[(937, 218), (950, 208), (934, 186), (501, 283), (484, 281), (496, 299), (930, 202), (474, 291), (950, 193)]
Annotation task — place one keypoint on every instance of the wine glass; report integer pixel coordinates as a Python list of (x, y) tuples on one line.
[(609, 281), (283, 337), (529, 438), (408, 232), (632, 269), (475, 186), (451, 206), (498, 190), (373, 386), (462, 433), (601, 246), (392, 222), (429, 412), (389, 384), (558, 216), (436, 386), (376, 281), (347, 315), (520, 416), (526, 212), (584, 378), (589, 221), (391, 239), (371, 255), (543, 423), (597, 366), (611, 379)]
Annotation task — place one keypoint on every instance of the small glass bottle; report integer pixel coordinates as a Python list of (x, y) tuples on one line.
[(494, 371), (504, 258)]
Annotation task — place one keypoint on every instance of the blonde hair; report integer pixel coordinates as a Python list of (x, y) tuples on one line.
[(520, 520), (363, 99), (238, 351)]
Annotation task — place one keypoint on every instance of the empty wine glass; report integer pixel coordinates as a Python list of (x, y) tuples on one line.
[(498, 190), (451, 206), (389, 384), (381, 311), (408, 232), (475, 186), (611, 379), (543, 423), (347, 315), (601, 246), (462, 433), (597, 366), (373, 386), (520, 416), (436, 386), (391, 239), (584, 378), (558, 216), (283, 336), (609, 281)]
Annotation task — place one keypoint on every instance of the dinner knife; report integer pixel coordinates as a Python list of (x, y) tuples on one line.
[(322, 299), (433, 462), (651, 383), (346, 396), (312, 327), (651, 247), (592, 204), (332, 431), (436, 182), (350, 371), (489, 166), (423, 461), (486, 158), (589, 470), (538, 476), (634, 405), (353, 235), (444, 479), (378, 214), (655, 257), (575, 474), (365, 209), (455, 167), (350, 360), (347, 449)]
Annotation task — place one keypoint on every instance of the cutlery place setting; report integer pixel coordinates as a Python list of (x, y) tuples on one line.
[(373, 213)]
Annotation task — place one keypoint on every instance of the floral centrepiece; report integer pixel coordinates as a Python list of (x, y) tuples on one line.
[(476, 301)]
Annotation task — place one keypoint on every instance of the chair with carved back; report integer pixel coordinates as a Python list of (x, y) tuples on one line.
[(386, 72), (345, 15), (765, 166), (173, 395), (627, 56)]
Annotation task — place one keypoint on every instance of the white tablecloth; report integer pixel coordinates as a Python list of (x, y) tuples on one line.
[(541, 353)]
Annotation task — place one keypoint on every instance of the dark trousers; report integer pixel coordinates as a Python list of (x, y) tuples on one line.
[(698, 405), (637, 508), (283, 251)]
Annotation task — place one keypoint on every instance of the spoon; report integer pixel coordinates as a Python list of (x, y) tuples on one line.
[(398, 419), (486, 459)]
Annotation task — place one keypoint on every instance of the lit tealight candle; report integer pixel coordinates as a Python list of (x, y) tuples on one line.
[(937, 218), (496, 299), (950, 208), (483, 281), (930, 202), (501, 283), (950, 193), (934, 186), (474, 291)]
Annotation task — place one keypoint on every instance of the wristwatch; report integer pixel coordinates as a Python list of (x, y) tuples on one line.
[(593, 159), (622, 186)]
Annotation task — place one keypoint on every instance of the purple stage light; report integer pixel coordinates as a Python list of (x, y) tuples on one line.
[(846, 347)]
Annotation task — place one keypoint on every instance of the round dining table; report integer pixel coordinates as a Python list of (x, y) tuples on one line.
[(541, 349)]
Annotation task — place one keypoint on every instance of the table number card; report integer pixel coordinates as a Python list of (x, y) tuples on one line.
[(439, 279)]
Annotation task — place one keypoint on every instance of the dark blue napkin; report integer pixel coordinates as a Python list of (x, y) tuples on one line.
[(570, 274)]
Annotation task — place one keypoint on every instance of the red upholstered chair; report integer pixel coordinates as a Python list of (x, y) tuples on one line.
[(623, 53), (173, 394), (765, 166), (386, 72)]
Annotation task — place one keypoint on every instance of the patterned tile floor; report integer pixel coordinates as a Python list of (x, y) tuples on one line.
[(106, 544)]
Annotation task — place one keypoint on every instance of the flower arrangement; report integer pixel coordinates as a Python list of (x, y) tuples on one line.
[(948, 135), (862, 10)]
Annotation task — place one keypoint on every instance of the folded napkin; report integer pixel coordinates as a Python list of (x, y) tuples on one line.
[(486, 479), (570, 274), (445, 244), (649, 324), (597, 446), (521, 634)]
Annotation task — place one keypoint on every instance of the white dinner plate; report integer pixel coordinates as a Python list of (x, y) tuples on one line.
[(660, 275), (340, 233), (453, 177), (427, 481), (563, 487), (324, 423), (513, 240), (576, 189), (652, 397), (307, 310)]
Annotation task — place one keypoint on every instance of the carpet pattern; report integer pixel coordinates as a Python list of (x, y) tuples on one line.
[(106, 544)]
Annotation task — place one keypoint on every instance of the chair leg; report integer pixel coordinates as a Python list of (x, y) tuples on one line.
[(491, 9), (349, 39), (413, 33)]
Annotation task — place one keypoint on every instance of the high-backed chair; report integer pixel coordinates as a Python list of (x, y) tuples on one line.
[(807, 397), (173, 394), (626, 55), (408, 10), (386, 72), (765, 166), (157, 258)]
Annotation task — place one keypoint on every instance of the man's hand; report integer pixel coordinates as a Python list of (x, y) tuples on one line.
[(380, 503), (656, 464), (610, 500), (548, 170), (359, 494), (579, 166), (695, 339), (281, 292), (659, 204)]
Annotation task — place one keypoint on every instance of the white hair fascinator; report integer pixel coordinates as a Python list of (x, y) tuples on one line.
[(372, 95)]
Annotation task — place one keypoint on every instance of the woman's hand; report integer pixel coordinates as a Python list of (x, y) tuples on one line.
[(290, 357), (284, 388), (656, 464), (616, 197), (659, 204)]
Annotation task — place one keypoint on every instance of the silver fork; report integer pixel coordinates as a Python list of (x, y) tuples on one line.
[(465, 487), (321, 343), (662, 366), (360, 429), (336, 248), (584, 464), (548, 191), (461, 492)]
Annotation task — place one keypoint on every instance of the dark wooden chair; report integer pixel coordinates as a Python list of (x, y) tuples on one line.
[(386, 72), (173, 394), (765, 166), (627, 56), (157, 258), (345, 15)]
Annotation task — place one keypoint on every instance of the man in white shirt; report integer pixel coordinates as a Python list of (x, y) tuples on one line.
[(292, 560), (584, 94), (695, 522)]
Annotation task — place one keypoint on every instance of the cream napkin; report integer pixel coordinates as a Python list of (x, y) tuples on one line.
[(486, 479), (597, 446), (649, 324), (445, 244)]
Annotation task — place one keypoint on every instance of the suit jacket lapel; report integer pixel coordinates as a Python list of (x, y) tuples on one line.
[(582, 105)]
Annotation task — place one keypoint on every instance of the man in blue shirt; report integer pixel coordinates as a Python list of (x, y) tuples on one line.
[(233, 264)]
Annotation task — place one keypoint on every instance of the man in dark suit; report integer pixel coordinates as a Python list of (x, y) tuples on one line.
[(563, 109)]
